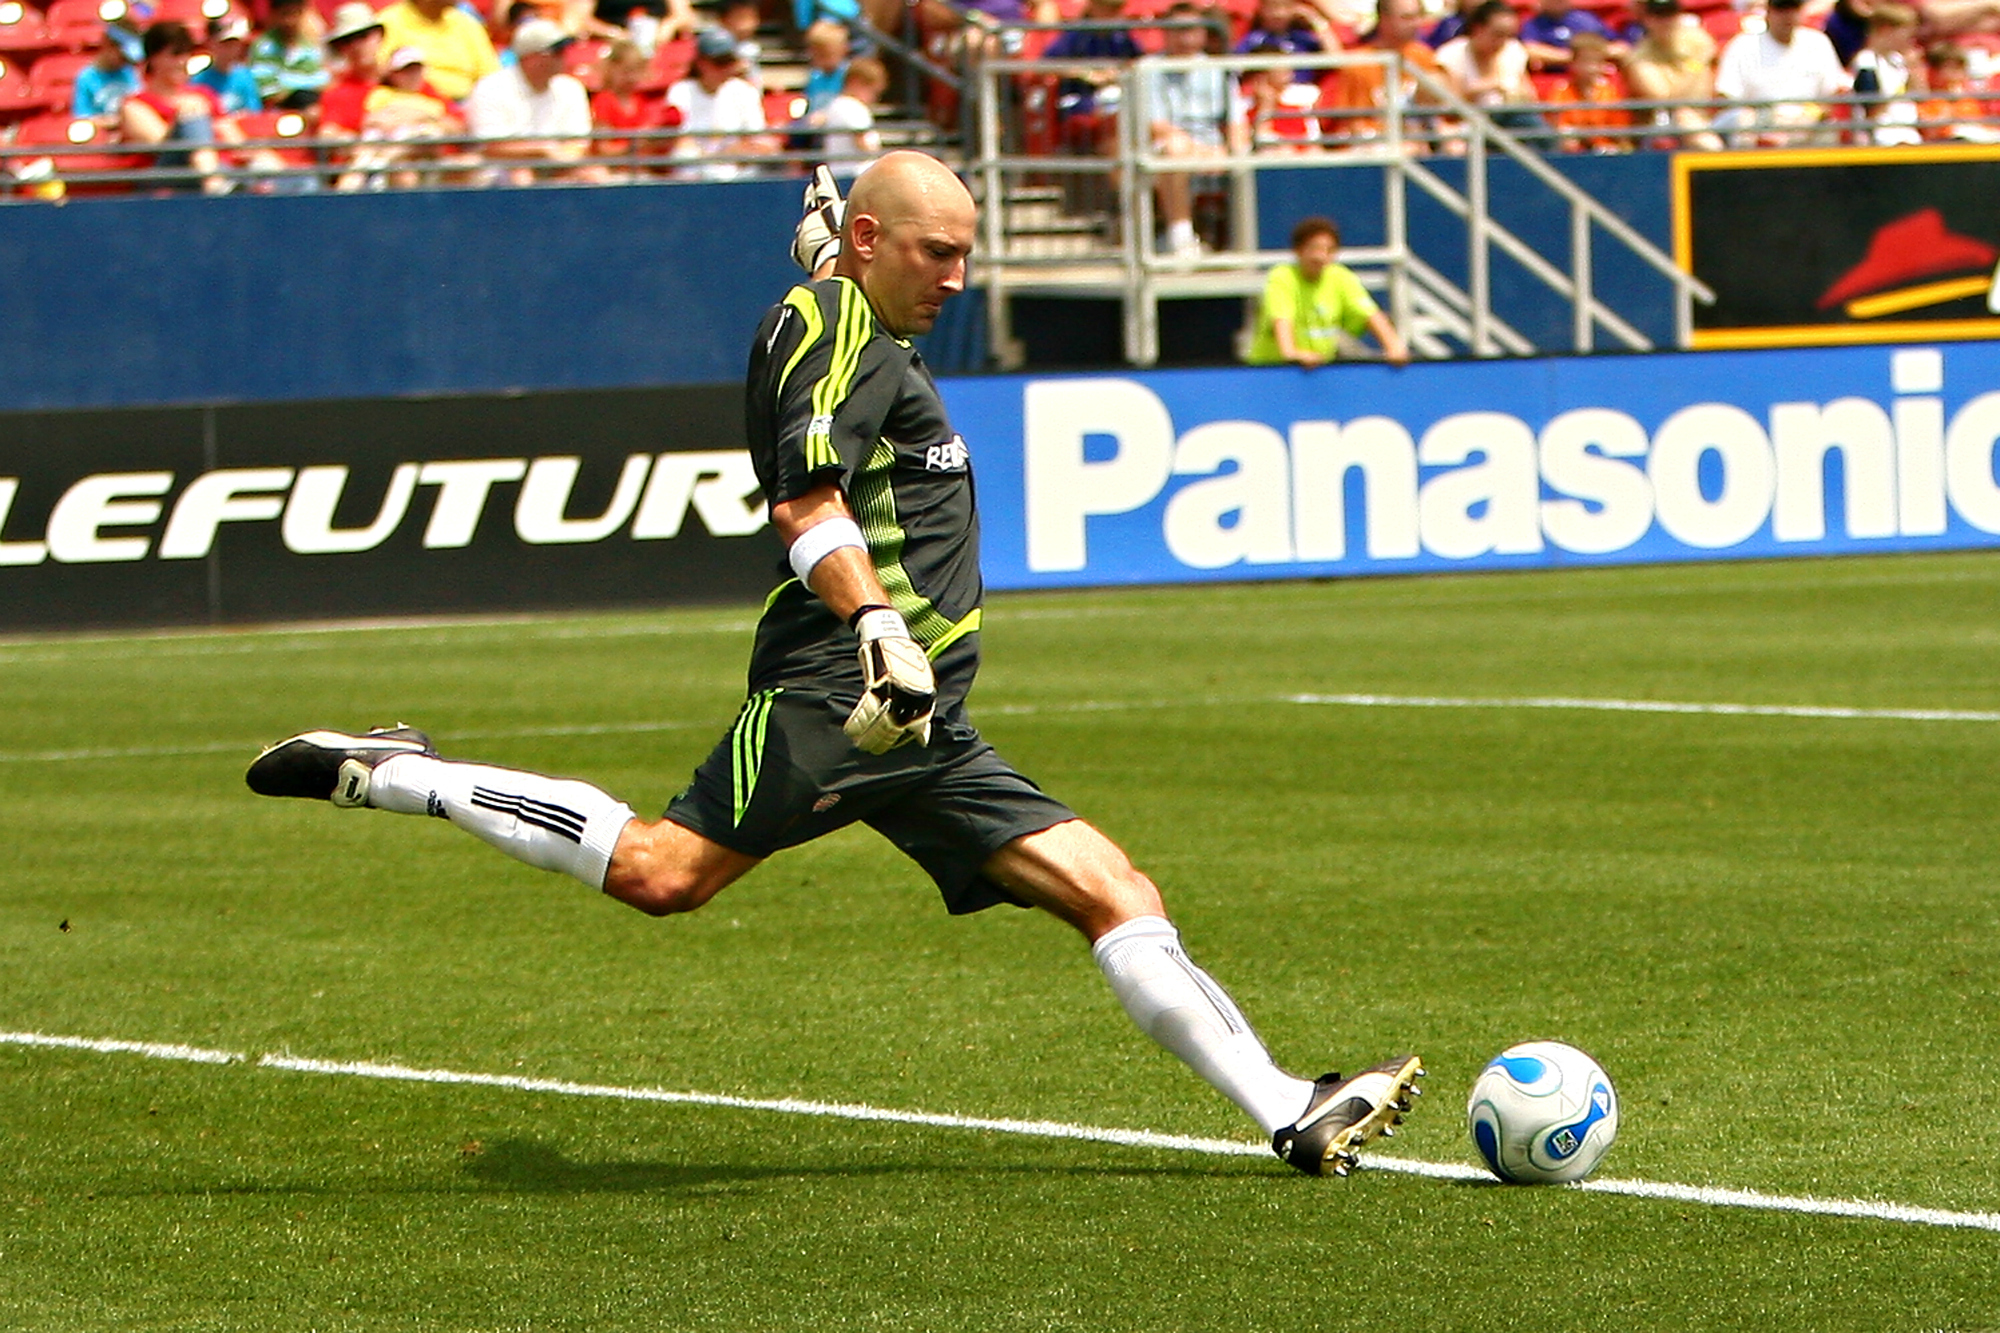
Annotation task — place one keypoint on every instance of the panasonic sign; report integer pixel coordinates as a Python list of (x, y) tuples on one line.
[(1164, 476)]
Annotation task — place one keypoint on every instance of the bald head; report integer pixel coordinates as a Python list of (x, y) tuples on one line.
[(906, 186), (910, 225)]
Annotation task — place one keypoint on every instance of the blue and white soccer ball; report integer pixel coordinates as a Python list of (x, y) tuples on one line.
[(1542, 1113)]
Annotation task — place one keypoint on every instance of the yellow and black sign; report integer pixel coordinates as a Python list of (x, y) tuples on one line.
[(1858, 245)]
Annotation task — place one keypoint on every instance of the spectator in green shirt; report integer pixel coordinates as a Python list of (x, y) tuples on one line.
[(285, 60), (1307, 305)]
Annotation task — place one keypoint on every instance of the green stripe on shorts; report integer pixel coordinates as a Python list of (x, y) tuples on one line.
[(748, 742)]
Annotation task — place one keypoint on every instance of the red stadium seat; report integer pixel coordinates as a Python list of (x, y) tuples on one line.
[(196, 14), (671, 62), (75, 25), (265, 125), (87, 146), (18, 94), (583, 59), (23, 28), (782, 108), (54, 76), (1722, 24)]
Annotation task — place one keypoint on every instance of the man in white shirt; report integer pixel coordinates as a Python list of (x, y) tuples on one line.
[(1787, 65), (528, 110), (721, 112)]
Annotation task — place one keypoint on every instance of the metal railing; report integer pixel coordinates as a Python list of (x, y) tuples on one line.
[(39, 171)]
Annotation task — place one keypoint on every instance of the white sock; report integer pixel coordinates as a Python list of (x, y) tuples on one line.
[(1182, 1008), (1180, 235), (551, 823)]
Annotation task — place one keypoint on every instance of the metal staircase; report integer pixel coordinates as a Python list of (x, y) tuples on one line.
[(1072, 220)]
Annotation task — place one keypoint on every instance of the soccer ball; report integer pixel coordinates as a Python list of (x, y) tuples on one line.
[(1542, 1113)]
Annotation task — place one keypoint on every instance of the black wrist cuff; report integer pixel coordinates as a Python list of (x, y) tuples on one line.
[(861, 611)]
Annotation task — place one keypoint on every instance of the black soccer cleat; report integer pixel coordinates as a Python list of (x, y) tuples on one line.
[(331, 765), (1344, 1114)]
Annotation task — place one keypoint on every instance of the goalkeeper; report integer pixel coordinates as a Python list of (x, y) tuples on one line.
[(858, 678)]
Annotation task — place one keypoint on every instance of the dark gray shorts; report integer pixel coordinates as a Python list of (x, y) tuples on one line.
[(786, 774)]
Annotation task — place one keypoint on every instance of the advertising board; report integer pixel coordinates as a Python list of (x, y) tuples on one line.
[(1364, 469)]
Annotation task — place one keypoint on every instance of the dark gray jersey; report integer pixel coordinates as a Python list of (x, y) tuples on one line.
[(833, 397)]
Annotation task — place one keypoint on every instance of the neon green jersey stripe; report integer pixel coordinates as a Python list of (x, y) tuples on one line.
[(802, 300), (748, 754), (969, 625), (850, 335), (874, 504)]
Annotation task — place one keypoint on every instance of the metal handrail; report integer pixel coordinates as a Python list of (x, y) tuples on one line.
[(461, 154)]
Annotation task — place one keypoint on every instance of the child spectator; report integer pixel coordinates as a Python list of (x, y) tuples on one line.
[(226, 75), (826, 64), (1592, 79), (404, 105), (399, 114), (285, 60), (1955, 112), (849, 120), (112, 76), (1882, 75), (618, 105), (457, 51)]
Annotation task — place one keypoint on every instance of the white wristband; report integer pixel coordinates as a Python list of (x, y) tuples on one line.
[(821, 540)]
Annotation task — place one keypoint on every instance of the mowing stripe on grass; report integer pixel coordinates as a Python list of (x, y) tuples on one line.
[(1708, 1196), (1810, 711)]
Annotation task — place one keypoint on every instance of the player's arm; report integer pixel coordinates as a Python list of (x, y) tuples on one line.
[(843, 577), (830, 557)]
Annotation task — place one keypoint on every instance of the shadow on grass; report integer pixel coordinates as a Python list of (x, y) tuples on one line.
[(529, 1167)]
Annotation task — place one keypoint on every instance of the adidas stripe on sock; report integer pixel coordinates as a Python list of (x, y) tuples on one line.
[(551, 823)]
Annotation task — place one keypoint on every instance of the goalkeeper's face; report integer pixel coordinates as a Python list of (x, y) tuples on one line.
[(919, 265), (911, 226)]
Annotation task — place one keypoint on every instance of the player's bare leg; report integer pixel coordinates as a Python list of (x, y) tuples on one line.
[(1080, 876), (664, 868)]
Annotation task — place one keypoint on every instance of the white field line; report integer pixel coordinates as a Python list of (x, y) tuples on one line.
[(1808, 711), (1708, 1196), (1655, 706)]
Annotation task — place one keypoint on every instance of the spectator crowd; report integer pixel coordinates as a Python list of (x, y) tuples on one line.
[(1567, 75), (210, 91), (297, 94)]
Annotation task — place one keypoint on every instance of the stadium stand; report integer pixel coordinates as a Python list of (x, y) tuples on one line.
[(23, 29)]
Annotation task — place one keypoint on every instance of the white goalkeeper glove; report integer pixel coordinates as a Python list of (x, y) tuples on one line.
[(898, 690), (817, 237)]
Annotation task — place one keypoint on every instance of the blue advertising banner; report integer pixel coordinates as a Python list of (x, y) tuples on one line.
[(1365, 469)]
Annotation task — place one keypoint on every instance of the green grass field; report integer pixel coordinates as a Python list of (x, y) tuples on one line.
[(1780, 934)]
